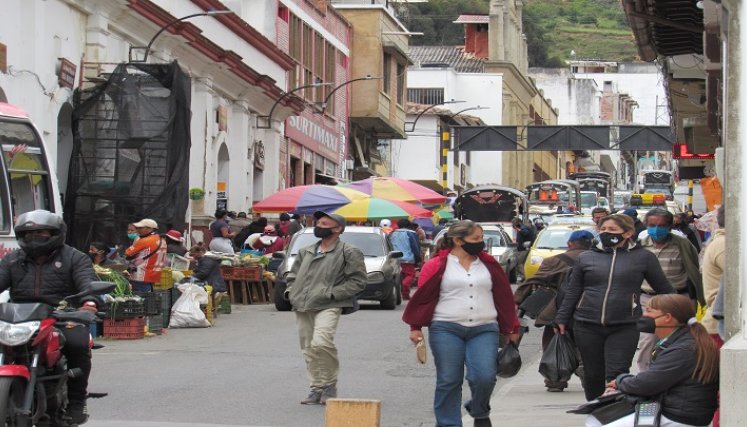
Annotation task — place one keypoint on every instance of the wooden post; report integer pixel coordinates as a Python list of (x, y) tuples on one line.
[(353, 413)]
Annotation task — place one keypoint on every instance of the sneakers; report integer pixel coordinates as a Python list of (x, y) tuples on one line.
[(77, 411), (314, 397), (555, 389), (329, 392)]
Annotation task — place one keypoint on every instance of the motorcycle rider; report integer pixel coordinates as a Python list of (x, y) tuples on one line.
[(47, 270)]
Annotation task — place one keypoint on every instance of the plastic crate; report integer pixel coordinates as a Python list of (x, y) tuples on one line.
[(155, 323), (125, 310), (167, 280), (177, 262), (225, 305), (208, 308), (151, 302), (248, 274), (166, 303), (127, 329)]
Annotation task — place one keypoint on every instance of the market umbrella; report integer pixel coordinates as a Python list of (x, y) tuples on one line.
[(374, 209), (307, 199), (386, 187)]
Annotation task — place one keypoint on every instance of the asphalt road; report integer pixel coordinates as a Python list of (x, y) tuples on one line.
[(248, 370)]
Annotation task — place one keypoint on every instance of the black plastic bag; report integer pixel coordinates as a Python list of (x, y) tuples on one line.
[(509, 361), (559, 360)]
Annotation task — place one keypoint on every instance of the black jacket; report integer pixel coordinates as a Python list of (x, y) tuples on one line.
[(208, 270), (684, 400), (605, 285), (65, 272)]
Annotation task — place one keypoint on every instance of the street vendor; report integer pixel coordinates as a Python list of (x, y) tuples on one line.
[(267, 242), (207, 269)]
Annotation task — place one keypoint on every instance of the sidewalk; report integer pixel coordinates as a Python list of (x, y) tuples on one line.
[(523, 401)]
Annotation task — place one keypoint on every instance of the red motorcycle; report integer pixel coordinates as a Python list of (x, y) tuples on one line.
[(33, 370)]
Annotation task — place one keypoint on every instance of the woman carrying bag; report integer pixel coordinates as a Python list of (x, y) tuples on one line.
[(603, 298), (683, 376), (465, 300)]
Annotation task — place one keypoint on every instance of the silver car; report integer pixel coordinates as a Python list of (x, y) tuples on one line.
[(384, 274)]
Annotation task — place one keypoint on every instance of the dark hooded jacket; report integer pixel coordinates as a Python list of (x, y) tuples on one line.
[(605, 285), (65, 272)]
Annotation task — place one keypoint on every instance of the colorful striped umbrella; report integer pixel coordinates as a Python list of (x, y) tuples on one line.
[(374, 209), (307, 199), (397, 189)]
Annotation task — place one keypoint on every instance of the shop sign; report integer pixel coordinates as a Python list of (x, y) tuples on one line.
[(222, 118), (312, 133), (343, 148), (66, 73), (3, 58), (259, 155)]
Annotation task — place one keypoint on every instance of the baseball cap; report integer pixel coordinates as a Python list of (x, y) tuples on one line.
[(339, 219), (174, 235), (631, 213), (580, 235), (147, 222)]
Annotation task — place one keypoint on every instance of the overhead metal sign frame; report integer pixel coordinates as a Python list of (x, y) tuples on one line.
[(562, 138)]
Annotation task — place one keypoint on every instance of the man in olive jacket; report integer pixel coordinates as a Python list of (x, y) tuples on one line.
[(323, 282)]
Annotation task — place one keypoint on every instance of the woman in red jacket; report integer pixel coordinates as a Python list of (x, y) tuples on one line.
[(465, 300)]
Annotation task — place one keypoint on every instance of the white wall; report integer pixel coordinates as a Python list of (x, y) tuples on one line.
[(485, 90)]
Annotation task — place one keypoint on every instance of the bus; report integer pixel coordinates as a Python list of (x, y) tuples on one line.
[(493, 204), (27, 181), (554, 196), (600, 182)]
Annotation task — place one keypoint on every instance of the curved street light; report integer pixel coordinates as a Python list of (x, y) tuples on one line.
[(268, 118), (412, 129), (329, 95), (468, 109), (169, 24)]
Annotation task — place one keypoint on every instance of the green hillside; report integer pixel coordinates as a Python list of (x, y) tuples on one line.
[(594, 29)]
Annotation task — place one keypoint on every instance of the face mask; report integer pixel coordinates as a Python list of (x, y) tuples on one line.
[(132, 236), (610, 239), (473, 248), (322, 232), (92, 255), (647, 324), (658, 234)]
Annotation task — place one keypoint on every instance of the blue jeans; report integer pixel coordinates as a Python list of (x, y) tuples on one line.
[(454, 346)]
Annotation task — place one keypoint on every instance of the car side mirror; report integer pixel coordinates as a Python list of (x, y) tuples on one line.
[(396, 254)]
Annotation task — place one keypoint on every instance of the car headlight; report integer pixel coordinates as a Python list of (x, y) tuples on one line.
[(13, 334), (375, 276), (536, 260)]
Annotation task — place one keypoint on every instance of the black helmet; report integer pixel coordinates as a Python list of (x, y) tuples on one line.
[(40, 220)]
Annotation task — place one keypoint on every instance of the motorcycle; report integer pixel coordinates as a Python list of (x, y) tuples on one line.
[(33, 370)]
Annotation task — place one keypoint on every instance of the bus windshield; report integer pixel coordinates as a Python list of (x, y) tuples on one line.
[(26, 167)]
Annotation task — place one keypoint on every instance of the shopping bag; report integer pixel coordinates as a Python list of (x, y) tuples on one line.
[(559, 359), (421, 352), (509, 361)]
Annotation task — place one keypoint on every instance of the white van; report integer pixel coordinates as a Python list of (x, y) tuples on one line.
[(26, 180)]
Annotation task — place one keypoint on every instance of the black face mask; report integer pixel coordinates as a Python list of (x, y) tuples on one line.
[(610, 239), (647, 324), (473, 248), (322, 232)]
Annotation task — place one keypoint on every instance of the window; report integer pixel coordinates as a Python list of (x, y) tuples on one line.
[(283, 13), (426, 96), (387, 73), (329, 76), (401, 84)]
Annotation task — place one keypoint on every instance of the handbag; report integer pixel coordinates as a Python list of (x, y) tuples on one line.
[(538, 301), (421, 353)]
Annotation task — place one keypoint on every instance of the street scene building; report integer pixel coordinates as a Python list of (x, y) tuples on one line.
[(281, 163)]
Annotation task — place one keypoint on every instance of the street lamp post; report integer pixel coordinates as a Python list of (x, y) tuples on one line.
[(446, 145), (175, 21), (424, 111), (468, 109), (268, 118), (332, 92)]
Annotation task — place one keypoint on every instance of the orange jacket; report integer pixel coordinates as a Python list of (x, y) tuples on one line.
[(147, 267)]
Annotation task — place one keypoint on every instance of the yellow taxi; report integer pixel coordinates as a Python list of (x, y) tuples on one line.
[(551, 240)]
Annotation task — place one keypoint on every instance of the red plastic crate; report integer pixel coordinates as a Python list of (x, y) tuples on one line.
[(127, 329), (248, 274)]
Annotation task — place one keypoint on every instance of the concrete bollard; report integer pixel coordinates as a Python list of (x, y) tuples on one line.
[(352, 413)]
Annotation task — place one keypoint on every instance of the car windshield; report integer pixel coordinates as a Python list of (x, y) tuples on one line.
[(369, 243), (554, 239), (588, 200)]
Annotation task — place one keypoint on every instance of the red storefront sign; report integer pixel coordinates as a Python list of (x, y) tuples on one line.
[(311, 131), (679, 151)]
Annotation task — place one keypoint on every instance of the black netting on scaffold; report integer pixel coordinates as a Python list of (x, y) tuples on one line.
[(130, 155)]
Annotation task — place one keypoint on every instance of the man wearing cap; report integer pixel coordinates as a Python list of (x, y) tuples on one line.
[(175, 243), (639, 225), (322, 284), (147, 255), (552, 273)]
